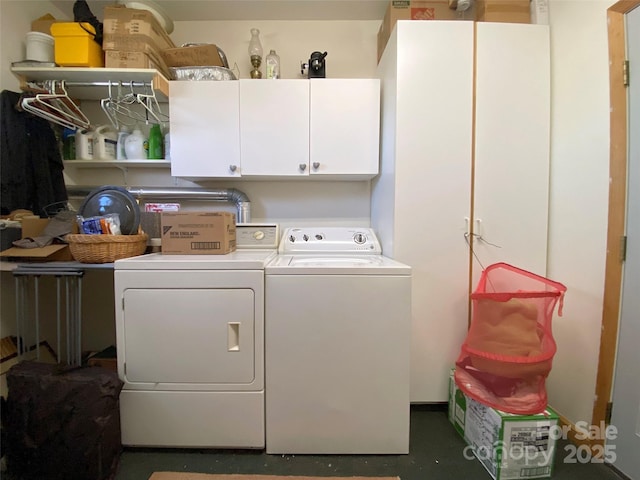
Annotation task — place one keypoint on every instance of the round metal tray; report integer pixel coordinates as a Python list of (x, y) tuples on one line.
[(201, 73), (113, 199)]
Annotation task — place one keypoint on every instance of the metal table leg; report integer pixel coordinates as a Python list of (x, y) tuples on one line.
[(73, 304)]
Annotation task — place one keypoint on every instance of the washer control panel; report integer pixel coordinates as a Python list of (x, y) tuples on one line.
[(257, 235), (333, 240)]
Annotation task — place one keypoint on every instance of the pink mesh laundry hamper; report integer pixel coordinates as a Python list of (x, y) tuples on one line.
[(507, 354)]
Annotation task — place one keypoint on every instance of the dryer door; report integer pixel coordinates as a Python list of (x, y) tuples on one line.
[(189, 335)]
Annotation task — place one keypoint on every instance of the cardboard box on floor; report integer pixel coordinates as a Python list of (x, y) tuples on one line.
[(509, 446), (107, 358), (198, 233), (417, 10), (33, 227)]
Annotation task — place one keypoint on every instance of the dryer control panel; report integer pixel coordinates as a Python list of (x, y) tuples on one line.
[(257, 235), (333, 240)]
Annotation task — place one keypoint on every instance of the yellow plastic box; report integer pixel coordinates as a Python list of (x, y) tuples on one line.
[(75, 46)]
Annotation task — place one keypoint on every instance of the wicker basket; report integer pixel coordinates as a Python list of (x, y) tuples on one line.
[(105, 248)]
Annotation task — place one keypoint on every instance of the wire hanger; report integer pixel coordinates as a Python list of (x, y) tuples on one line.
[(124, 108), (56, 106), (152, 106)]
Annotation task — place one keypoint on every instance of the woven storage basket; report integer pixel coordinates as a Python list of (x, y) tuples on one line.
[(105, 248)]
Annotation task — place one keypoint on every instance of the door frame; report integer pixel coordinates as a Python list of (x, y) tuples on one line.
[(618, 153)]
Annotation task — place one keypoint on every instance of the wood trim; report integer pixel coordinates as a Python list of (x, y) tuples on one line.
[(572, 433), (623, 6), (582, 438), (617, 204), (160, 84)]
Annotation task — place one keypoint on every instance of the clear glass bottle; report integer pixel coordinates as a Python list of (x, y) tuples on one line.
[(255, 53), (272, 62)]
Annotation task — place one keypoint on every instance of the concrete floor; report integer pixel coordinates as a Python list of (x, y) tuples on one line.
[(436, 453)]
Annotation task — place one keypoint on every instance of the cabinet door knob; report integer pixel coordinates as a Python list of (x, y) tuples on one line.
[(316, 165), (303, 167), (233, 168)]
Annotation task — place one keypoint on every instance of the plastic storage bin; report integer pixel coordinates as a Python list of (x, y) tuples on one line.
[(507, 354), (39, 47), (75, 45)]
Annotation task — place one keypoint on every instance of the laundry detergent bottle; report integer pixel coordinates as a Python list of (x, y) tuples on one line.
[(105, 139), (134, 145), (84, 144), (155, 142), (124, 132)]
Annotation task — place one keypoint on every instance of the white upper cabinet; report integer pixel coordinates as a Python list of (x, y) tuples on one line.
[(345, 126), (205, 135), (274, 127), (321, 128)]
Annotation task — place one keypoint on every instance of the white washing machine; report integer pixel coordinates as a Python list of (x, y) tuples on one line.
[(337, 336), (190, 341)]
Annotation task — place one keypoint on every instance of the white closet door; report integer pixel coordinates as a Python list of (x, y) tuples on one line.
[(511, 188), (423, 194)]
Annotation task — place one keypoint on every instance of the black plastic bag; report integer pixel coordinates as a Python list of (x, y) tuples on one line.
[(82, 13), (62, 423)]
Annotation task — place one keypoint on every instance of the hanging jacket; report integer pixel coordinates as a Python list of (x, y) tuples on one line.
[(30, 164)]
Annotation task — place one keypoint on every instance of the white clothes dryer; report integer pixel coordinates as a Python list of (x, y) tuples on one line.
[(190, 342), (337, 345)]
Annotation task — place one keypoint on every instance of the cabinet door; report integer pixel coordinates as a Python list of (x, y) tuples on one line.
[(204, 129), (274, 125), (422, 195), (345, 126), (511, 188)]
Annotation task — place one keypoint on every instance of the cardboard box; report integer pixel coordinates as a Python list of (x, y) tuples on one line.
[(107, 358), (119, 59), (198, 233), (33, 227), (417, 10), (504, 11), (193, 56), (133, 30), (43, 24), (509, 446)]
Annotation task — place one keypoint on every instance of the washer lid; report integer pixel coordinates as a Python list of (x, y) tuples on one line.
[(336, 265), (113, 199), (336, 261)]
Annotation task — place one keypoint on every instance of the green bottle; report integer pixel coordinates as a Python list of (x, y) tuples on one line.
[(155, 142)]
